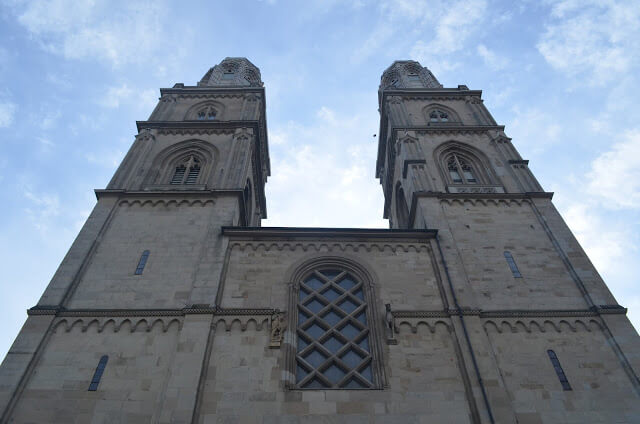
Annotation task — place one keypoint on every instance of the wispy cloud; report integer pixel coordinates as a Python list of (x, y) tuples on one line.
[(7, 111), (320, 178), (115, 32), (491, 59), (594, 38), (615, 174)]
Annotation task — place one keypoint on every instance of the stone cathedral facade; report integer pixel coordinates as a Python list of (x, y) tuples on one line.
[(174, 305)]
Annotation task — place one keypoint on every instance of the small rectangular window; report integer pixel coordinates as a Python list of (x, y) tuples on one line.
[(512, 264), (142, 262), (97, 375), (559, 371)]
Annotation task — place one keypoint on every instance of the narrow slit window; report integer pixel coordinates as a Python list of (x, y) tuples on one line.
[(98, 374), (142, 262), (559, 371), (512, 264)]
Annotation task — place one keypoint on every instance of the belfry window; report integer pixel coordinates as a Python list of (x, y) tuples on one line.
[(187, 172), (438, 116), (333, 346), (460, 171), (207, 114)]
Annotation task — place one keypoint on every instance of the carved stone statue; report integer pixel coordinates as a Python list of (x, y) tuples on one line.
[(278, 326)]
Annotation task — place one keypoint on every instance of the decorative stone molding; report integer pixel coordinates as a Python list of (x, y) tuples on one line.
[(475, 189), (541, 325), (116, 324), (329, 247), (166, 202)]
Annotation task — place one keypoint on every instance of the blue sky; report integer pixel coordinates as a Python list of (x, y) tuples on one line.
[(562, 76)]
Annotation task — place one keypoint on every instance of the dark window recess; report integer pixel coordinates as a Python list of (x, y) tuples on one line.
[(142, 262), (178, 176), (512, 264), (192, 177), (98, 374), (559, 371)]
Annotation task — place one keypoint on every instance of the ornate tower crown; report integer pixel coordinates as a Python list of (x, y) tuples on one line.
[(232, 72), (408, 74)]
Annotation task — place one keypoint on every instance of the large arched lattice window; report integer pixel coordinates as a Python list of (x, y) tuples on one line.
[(334, 345), (461, 170), (187, 172)]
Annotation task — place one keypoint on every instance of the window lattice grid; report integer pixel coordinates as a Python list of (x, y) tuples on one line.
[(182, 176), (333, 335)]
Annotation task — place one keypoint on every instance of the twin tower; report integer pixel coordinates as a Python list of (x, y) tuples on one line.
[(173, 305)]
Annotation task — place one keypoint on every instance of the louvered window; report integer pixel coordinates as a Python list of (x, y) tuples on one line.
[(187, 172), (192, 177), (178, 176), (558, 369), (97, 375), (333, 346)]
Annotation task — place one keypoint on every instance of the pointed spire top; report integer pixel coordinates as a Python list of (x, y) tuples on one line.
[(408, 74), (232, 72)]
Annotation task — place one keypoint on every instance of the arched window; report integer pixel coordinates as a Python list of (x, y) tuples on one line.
[(334, 350), (437, 115), (187, 172), (402, 210), (207, 113), (460, 170)]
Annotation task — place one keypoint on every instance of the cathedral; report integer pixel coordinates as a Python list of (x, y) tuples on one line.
[(174, 305)]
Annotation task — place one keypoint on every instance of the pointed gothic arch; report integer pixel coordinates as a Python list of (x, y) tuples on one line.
[(188, 162), (462, 164)]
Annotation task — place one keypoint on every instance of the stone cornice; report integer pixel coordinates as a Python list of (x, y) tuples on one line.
[(220, 91), (289, 233), (213, 310), (193, 309), (197, 125), (448, 129), (513, 313), (503, 196), (162, 194)]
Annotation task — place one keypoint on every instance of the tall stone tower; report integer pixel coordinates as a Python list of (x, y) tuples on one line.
[(511, 261), (174, 305)]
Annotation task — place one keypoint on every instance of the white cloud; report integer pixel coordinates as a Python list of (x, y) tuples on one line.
[(43, 208), (615, 174), (452, 30), (534, 129), (115, 32), (491, 59), (323, 173), (597, 38), (123, 95), (7, 111)]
